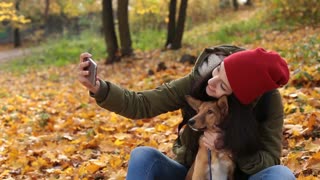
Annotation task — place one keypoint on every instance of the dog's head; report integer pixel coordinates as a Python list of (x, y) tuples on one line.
[(209, 113)]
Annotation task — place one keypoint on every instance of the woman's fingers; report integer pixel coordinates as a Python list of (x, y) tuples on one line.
[(82, 73), (84, 55), (209, 139), (83, 65), (213, 139)]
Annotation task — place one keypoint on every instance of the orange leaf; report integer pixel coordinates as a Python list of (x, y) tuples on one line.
[(311, 121), (314, 162), (92, 168)]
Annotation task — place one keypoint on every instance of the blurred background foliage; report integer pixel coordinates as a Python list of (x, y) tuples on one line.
[(73, 16), (297, 12), (8, 14), (76, 25)]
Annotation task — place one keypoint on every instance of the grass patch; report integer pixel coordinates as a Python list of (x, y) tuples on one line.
[(66, 50), (58, 52), (244, 31), (149, 39)]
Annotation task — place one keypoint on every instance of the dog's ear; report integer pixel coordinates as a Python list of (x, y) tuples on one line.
[(223, 105), (194, 103)]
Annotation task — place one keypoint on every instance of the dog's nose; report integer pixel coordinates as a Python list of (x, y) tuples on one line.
[(191, 122)]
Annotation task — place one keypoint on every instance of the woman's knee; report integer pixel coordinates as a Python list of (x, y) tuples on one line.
[(141, 162), (150, 163), (143, 153), (282, 171)]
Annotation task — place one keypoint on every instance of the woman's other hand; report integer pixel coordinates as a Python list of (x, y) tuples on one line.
[(213, 139)]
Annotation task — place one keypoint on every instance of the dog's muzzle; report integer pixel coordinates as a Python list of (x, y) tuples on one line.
[(192, 122)]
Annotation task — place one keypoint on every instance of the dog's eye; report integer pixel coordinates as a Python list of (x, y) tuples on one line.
[(210, 111)]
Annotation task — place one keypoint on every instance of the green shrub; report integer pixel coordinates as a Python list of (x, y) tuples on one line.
[(289, 12)]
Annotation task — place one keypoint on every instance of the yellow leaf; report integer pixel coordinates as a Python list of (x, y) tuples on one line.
[(122, 136), (107, 129), (290, 108), (70, 149), (161, 127), (115, 162), (90, 145), (92, 168), (113, 118), (293, 163), (292, 143), (4, 173), (106, 147), (40, 162), (82, 170), (302, 177), (312, 146), (118, 142), (295, 130), (68, 171)]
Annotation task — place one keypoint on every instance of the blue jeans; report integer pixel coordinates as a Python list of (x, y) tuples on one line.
[(147, 163), (274, 173)]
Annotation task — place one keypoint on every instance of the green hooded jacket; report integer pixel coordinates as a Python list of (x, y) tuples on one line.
[(171, 96)]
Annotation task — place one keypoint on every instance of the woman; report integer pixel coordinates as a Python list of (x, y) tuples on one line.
[(253, 132)]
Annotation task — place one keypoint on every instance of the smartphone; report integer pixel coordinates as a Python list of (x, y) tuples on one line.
[(92, 68)]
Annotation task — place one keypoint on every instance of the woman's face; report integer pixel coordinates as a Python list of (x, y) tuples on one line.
[(218, 85)]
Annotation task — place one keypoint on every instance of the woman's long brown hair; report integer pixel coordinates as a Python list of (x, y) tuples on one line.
[(241, 133)]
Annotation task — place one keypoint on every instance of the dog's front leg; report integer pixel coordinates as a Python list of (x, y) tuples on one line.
[(231, 170), (190, 173), (201, 169), (228, 162)]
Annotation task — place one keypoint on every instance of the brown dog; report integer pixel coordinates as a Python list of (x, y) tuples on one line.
[(209, 115)]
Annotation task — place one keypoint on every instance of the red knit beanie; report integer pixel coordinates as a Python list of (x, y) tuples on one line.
[(254, 72)]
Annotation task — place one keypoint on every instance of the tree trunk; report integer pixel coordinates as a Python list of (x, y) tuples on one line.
[(46, 14), (109, 32), (224, 4), (16, 31), (235, 5), (46, 9), (16, 36), (248, 3), (124, 30), (180, 24), (62, 15), (171, 31)]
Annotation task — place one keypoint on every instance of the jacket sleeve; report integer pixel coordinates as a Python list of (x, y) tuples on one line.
[(144, 104), (271, 112), (149, 103), (167, 97)]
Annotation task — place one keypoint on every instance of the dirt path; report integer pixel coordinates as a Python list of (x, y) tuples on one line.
[(11, 54)]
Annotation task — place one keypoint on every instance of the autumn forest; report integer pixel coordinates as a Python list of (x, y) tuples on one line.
[(52, 129)]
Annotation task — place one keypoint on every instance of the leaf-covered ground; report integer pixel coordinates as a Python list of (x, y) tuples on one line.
[(52, 129)]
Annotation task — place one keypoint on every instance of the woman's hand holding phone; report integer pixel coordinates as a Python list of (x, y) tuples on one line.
[(92, 68), (87, 73)]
